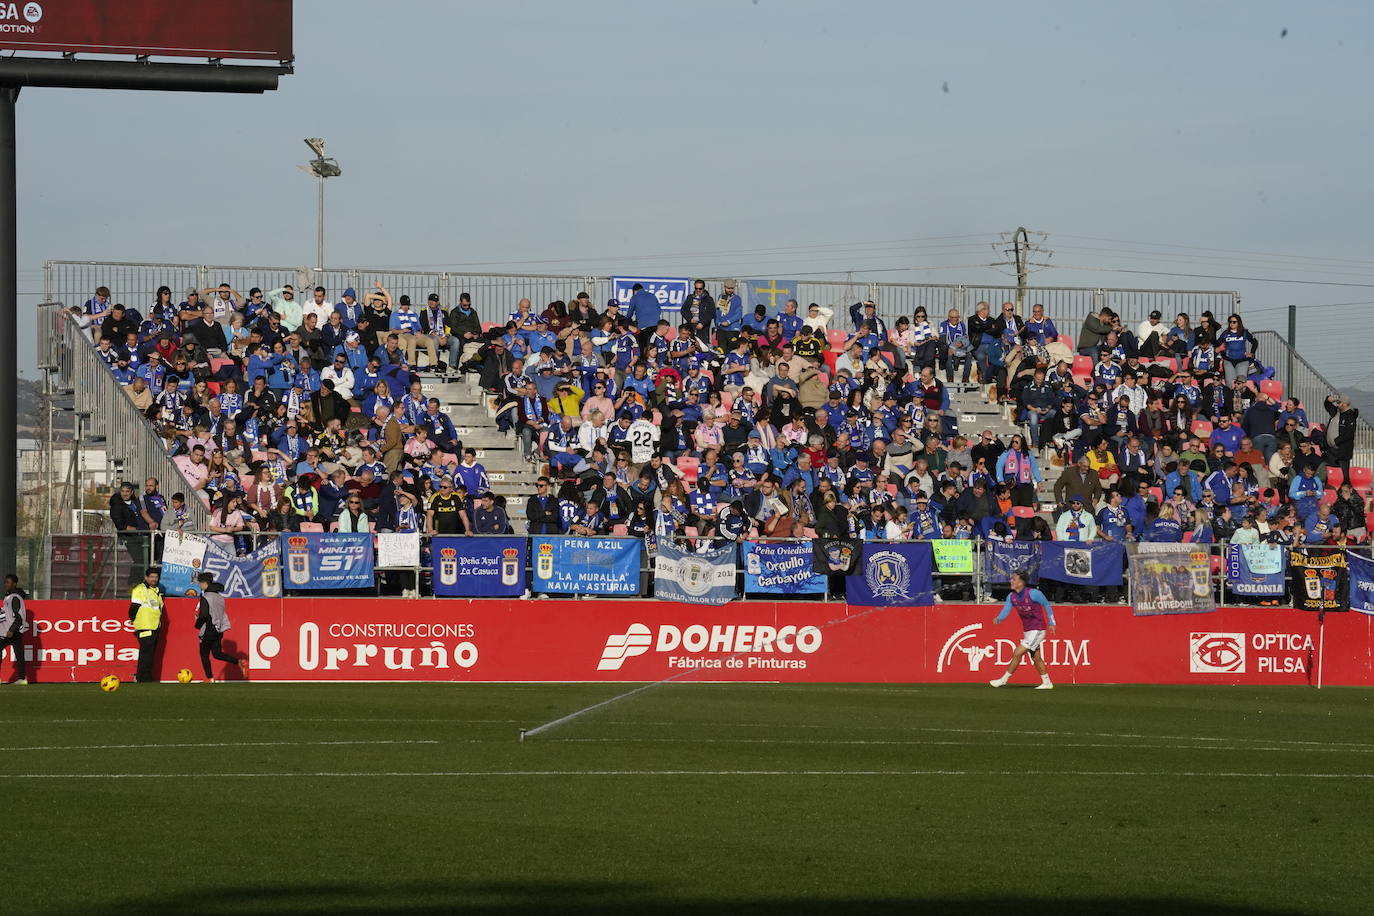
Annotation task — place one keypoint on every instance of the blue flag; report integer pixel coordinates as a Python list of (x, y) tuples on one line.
[(705, 577), (253, 575), (780, 568), (1098, 563), (586, 565), (332, 561), (478, 567), (1001, 559), (893, 574), (1257, 570), (1361, 582)]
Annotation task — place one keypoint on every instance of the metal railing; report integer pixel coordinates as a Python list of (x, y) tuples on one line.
[(494, 295), (102, 410), (1302, 381), (103, 566)]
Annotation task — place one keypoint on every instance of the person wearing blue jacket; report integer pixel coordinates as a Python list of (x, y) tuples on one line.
[(644, 311), (1306, 492), (729, 315)]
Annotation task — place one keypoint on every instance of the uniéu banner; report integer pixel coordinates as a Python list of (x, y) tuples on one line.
[(1100, 563), (695, 577), (670, 292), (182, 557), (586, 566), (780, 568), (1257, 570), (334, 560), (1320, 579), (1361, 582), (253, 575), (1001, 559), (889, 574), (1171, 579), (467, 567)]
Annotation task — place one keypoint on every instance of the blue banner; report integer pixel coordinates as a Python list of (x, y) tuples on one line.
[(478, 567), (333, 561), (253, 575), (893, 574), (1257, 570), (671, 292), (1361, 582), (182, 558), (780, 568), (696, 577), (1001, 559), (587, 566), (1098, 563), (770, 293)]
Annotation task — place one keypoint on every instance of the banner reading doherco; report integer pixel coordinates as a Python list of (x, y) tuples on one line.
[(1320, 579), (1171, 579)]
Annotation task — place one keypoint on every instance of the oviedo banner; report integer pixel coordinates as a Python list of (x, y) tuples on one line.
[(360, 639)]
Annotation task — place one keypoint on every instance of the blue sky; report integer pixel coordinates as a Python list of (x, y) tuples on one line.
[(515, 133)]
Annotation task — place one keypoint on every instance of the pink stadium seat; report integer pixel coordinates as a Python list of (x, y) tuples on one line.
[(219, 362), (688, 466), (1169, 362), (1272, 387), (311, 526), (619, 531), (888, 357), (836, 338), (1082, 380), (1202, 428), (726, 399), (670, 333), (488, 325)]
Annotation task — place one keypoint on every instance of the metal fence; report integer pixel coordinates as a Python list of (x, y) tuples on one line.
[(1302, 381), (494, 295), (104, 566), (102, 410)]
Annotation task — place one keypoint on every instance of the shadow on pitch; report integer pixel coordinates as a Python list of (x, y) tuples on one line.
[(628, 897)]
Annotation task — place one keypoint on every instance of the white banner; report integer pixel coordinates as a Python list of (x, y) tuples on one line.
[(398, 550)]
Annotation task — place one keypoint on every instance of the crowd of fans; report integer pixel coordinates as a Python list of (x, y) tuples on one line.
[(725, 422)]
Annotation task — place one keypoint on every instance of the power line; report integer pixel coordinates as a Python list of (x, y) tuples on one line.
[(1167, 273), (1271, 254)]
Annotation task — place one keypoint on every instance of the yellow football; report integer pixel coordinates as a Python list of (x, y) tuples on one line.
[(184, 676), (109, 683)]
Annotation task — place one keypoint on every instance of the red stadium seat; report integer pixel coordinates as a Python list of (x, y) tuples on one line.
[(1361, 478), (619, 531), (1369, 523), (726, 400), (1335, 477), (311, 526), (1168, 361), (1272, 387), (1082, 380), (1022, 511), (1328, 498), (670, 333), (829, 356), (836, 338), (1082, 365), (688, 466), (1157, 494), (1202, 429)]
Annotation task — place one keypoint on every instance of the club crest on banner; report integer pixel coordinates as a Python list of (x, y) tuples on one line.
[(888, 575), (298, 560), (543, 566), (448, 566), (510, 566), (271, 577)]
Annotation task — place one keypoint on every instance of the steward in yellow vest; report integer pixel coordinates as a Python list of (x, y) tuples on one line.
[(145, 612)]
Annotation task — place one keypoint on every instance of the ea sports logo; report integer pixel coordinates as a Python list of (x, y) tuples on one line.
[(33, 12)]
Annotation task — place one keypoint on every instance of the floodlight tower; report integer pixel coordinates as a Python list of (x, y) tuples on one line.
[(321, 168)]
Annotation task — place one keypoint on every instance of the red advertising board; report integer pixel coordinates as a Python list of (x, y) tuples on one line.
[(307, 639), (242, 29)]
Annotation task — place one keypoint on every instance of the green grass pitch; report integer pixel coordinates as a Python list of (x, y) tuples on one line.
[(745, 799)]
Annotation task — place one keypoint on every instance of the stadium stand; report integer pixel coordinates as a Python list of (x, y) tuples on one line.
[(288, 415)]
